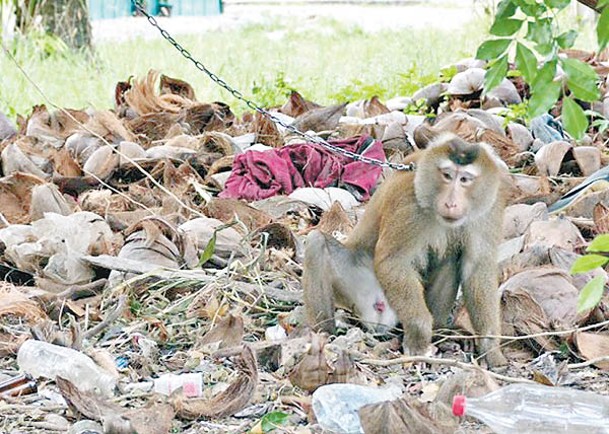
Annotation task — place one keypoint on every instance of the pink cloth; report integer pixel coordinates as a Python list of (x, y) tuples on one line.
[(257, 175)]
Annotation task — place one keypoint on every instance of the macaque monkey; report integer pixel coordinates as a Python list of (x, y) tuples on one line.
[(424, 234)]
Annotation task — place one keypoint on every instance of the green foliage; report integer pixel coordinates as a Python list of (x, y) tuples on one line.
[(357, 89), (600, 244), (273, 420), (598, 256), (573, 118), (587, 263), (210, 248), (533, 28), (591, 294), (273, 92)]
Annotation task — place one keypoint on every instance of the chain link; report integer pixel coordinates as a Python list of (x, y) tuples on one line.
[(252, 105)]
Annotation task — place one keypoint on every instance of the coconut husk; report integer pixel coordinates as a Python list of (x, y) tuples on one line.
[(176, 87), (236, 397), (16, 196), (142, 97), (227, 209), (297, 105)]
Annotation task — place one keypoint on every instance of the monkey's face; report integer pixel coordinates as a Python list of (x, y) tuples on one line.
[(454, 186), (456, 181)]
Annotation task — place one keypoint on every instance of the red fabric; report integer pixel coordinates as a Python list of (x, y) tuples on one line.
[(258, 175)]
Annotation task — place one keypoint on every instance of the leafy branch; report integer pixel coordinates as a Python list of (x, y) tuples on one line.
[(526, 33)]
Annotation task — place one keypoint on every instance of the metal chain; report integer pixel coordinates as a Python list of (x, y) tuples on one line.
[(315, 139)]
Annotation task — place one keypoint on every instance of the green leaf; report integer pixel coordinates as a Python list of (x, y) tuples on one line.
[(273, 420), (505, 9), (492, 49), (210, 248), (573, 118), (599, 244), (591, 294), (540, 31), (581, 79), (495, 74), (557, 4), (602, 29), (602, 3), (567, 39), (531, 7), (526, 62), (586, 263), (544, 99), (505, 27)]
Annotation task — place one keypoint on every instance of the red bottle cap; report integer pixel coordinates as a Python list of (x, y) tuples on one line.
[(459, 405)]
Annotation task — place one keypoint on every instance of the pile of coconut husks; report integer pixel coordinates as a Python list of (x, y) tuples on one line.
[(165, 236)]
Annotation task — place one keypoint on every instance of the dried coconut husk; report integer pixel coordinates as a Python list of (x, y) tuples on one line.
[(266, 131), (143, 98), (468, 82), (593, 346), (321, 119), (151, 127), (600, 215), (102, 163), (539, 300), (16, 196), (236, 397), (201, 117), (15, 160), (227, 210), (278, 236), (297, 105), (588, 159), (517, 218), (216, 143), (224, 164), (107, 125), (15, 306), (176, 87), (103, 202), (559, 232), (48, 198), (367, 108), (334, 221), (503, 146), (64, 164), (56, 126)]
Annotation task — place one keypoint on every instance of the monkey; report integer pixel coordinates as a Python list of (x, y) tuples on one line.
[(326, 285), (423, 235)]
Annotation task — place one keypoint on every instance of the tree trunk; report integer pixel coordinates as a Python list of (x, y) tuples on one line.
[(67, 19)]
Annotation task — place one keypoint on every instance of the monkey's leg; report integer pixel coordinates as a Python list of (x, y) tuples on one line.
[(441, 292), (317, 283), (482, 300), (404, 291)]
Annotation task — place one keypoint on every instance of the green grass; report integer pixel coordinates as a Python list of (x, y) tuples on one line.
[(327, 63)]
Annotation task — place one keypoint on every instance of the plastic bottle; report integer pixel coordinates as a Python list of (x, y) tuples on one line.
[(336, 405), (537, 409), (41, 359)]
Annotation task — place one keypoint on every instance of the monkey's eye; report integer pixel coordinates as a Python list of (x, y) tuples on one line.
[(447, 176), (465, 180)]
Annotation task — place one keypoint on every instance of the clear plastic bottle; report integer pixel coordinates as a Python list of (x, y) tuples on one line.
[(538, 409), (41, 359)]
